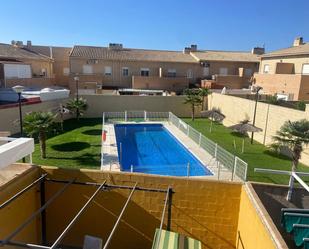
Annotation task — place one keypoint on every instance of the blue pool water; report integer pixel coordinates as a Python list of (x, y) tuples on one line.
[(152, 149)]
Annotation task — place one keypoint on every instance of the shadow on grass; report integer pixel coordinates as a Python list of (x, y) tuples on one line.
[(71, 146), (237, 134), (277, 155), (87, 159), (93, 132)]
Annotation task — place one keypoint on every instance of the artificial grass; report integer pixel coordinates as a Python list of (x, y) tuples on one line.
[(256, 155), (78, 146)]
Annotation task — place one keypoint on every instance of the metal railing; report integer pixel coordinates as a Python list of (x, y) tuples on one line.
[(224, 159)]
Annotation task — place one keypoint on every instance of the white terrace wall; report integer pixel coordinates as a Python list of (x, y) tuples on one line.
[(97, 104), (9, 117), (268, 117)]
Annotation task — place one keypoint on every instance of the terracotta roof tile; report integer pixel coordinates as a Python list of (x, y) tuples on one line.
[(216, 55), (8, 51), (131, 54), (297, 50)]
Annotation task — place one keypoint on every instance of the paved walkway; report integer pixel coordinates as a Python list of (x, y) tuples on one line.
[(110, 152)]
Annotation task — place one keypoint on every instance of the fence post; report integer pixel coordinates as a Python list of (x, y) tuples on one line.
[(199, 140), (234, 168), (120, 153), (125, 116), (246, 172), (145, 115), (219, 168), (188, 169), (216, 149)]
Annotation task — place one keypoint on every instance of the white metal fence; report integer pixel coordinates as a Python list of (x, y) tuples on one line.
[(224, 159)]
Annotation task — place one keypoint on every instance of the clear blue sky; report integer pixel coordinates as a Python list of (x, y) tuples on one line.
[(157, 24)]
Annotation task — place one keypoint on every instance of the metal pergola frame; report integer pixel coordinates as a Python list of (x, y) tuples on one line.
[(100, 186)]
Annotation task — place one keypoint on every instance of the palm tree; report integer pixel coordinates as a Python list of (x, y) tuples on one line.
[(39, 123), (203, 92), (194, 99), (292, 135), (77, 106)]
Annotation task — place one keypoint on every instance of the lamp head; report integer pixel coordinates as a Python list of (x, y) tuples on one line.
[(18, 88), (76, 78)]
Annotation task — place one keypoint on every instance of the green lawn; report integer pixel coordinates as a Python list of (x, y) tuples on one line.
[(256, 155), (78, 146)]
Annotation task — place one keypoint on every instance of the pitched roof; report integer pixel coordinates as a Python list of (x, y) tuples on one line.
[(296, 50), (129, 54), (217, 55), (8, 51), (57, 52)]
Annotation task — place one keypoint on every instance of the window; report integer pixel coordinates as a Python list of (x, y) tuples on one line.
[(266, 68), (248, 72), (125, 71), (305, 69), (171, 73), (17, 71), (223, 71), (87, 69), (66, 71), (43, 72), (144, 71), (205, 71), (189, 74), (108, 70)]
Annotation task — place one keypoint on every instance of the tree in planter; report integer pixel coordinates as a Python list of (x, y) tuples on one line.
[(194, 99), (203, 92), (77, 106), (38, 124), (292, 135)]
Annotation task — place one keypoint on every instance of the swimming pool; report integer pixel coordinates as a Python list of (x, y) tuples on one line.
[(152, 149)]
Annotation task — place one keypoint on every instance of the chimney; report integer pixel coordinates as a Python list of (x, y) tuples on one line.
[(115, 46), (258, 50), (19, 43), (29, 44), (298, 41), (193, 48), (187, 50)]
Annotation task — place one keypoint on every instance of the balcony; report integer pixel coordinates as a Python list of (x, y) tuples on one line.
[(228, 81), (176, 84)]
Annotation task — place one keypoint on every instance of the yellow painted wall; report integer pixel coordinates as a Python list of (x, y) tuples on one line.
[(210, 211), (17, 212), (203, 209), (251, 231)]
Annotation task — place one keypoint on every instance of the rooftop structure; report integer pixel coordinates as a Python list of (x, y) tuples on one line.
[(286, 71)]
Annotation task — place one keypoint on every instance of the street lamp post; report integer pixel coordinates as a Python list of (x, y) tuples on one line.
[(258, 89), (18, 89), (76, 78)]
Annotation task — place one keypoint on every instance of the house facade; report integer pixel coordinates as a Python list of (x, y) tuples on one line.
[(21, 66), (60, 58), (118, 67), (286, 71)]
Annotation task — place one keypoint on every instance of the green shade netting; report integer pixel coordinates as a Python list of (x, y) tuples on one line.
[(171, 240)]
